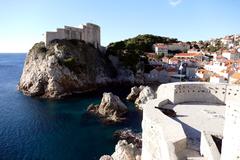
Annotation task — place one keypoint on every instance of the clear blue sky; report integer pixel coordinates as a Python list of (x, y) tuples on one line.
[(24, 21)]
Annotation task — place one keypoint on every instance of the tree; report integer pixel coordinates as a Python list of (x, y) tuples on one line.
[(160, 55), (211, 48)]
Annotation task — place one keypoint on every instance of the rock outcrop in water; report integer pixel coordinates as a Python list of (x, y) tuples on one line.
[(141, 95), (65, 67), (129, 136), (134, 93), (111, 108), (124, 151), (146, 94), (106, 157)]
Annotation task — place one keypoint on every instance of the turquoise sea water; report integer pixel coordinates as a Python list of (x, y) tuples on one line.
[(33, 128)]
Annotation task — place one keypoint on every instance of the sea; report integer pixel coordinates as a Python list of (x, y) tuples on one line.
[(32, 128)]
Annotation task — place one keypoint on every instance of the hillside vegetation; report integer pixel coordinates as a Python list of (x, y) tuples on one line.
[(131, 49)]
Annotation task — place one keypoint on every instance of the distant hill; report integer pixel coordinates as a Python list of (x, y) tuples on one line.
[(129, 50)]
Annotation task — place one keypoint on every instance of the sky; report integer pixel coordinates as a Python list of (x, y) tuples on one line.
[(23, 22)]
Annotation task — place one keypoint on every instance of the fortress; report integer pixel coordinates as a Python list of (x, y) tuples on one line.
[(89, 33), (206, 125)]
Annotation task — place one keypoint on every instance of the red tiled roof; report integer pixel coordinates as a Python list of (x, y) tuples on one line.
[(216, 75), (171, 69), (160, 45), (187, 55)]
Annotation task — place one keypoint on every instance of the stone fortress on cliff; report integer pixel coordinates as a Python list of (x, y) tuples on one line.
[(206, 125), (89, 33)]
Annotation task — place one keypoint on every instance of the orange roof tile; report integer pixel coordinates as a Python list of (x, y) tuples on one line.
[(236, 75), (187, 55)]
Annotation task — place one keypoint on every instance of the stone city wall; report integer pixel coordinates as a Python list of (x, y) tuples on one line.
[(159, 143), (193, 92), (231, 132)]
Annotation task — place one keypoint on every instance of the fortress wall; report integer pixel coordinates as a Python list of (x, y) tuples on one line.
[(183, 92), (166, 91), (208, 147), (233, 94), (231, 132), (157, 142), (61, 34), (201, 92), (92, 34), (51, 36), (160, 141)]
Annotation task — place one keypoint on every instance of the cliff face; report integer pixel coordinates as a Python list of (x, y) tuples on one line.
[(64, 67)]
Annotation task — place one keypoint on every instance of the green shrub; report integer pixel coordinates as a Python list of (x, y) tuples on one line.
[(42, 50), (69, 62)]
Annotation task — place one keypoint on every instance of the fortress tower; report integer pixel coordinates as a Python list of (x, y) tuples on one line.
[(90, 33)]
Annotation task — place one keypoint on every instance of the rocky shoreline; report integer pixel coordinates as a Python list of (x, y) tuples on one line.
[(129, 146), (66, 67), (112, 110)]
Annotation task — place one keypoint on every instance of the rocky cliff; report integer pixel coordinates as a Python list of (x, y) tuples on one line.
[(124, 151), (64, 67)]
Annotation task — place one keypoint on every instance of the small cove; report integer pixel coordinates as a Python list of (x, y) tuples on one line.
[(33, 128)]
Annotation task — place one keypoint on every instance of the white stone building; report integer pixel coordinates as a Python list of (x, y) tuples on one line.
[(157, 75), (216, 67), (160, 48), (217, 79), (165, 48), (179, 46), (89, 33), (231, 55)]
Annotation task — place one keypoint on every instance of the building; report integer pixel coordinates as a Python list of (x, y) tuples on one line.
[(165, 60), (159, 74), (182, 47), (160, 48), (90, 33), (215, 78), (228, 40), (191, 72), (216, 66), (167, 48), (173, 61), (203, 74), (231, 54)]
